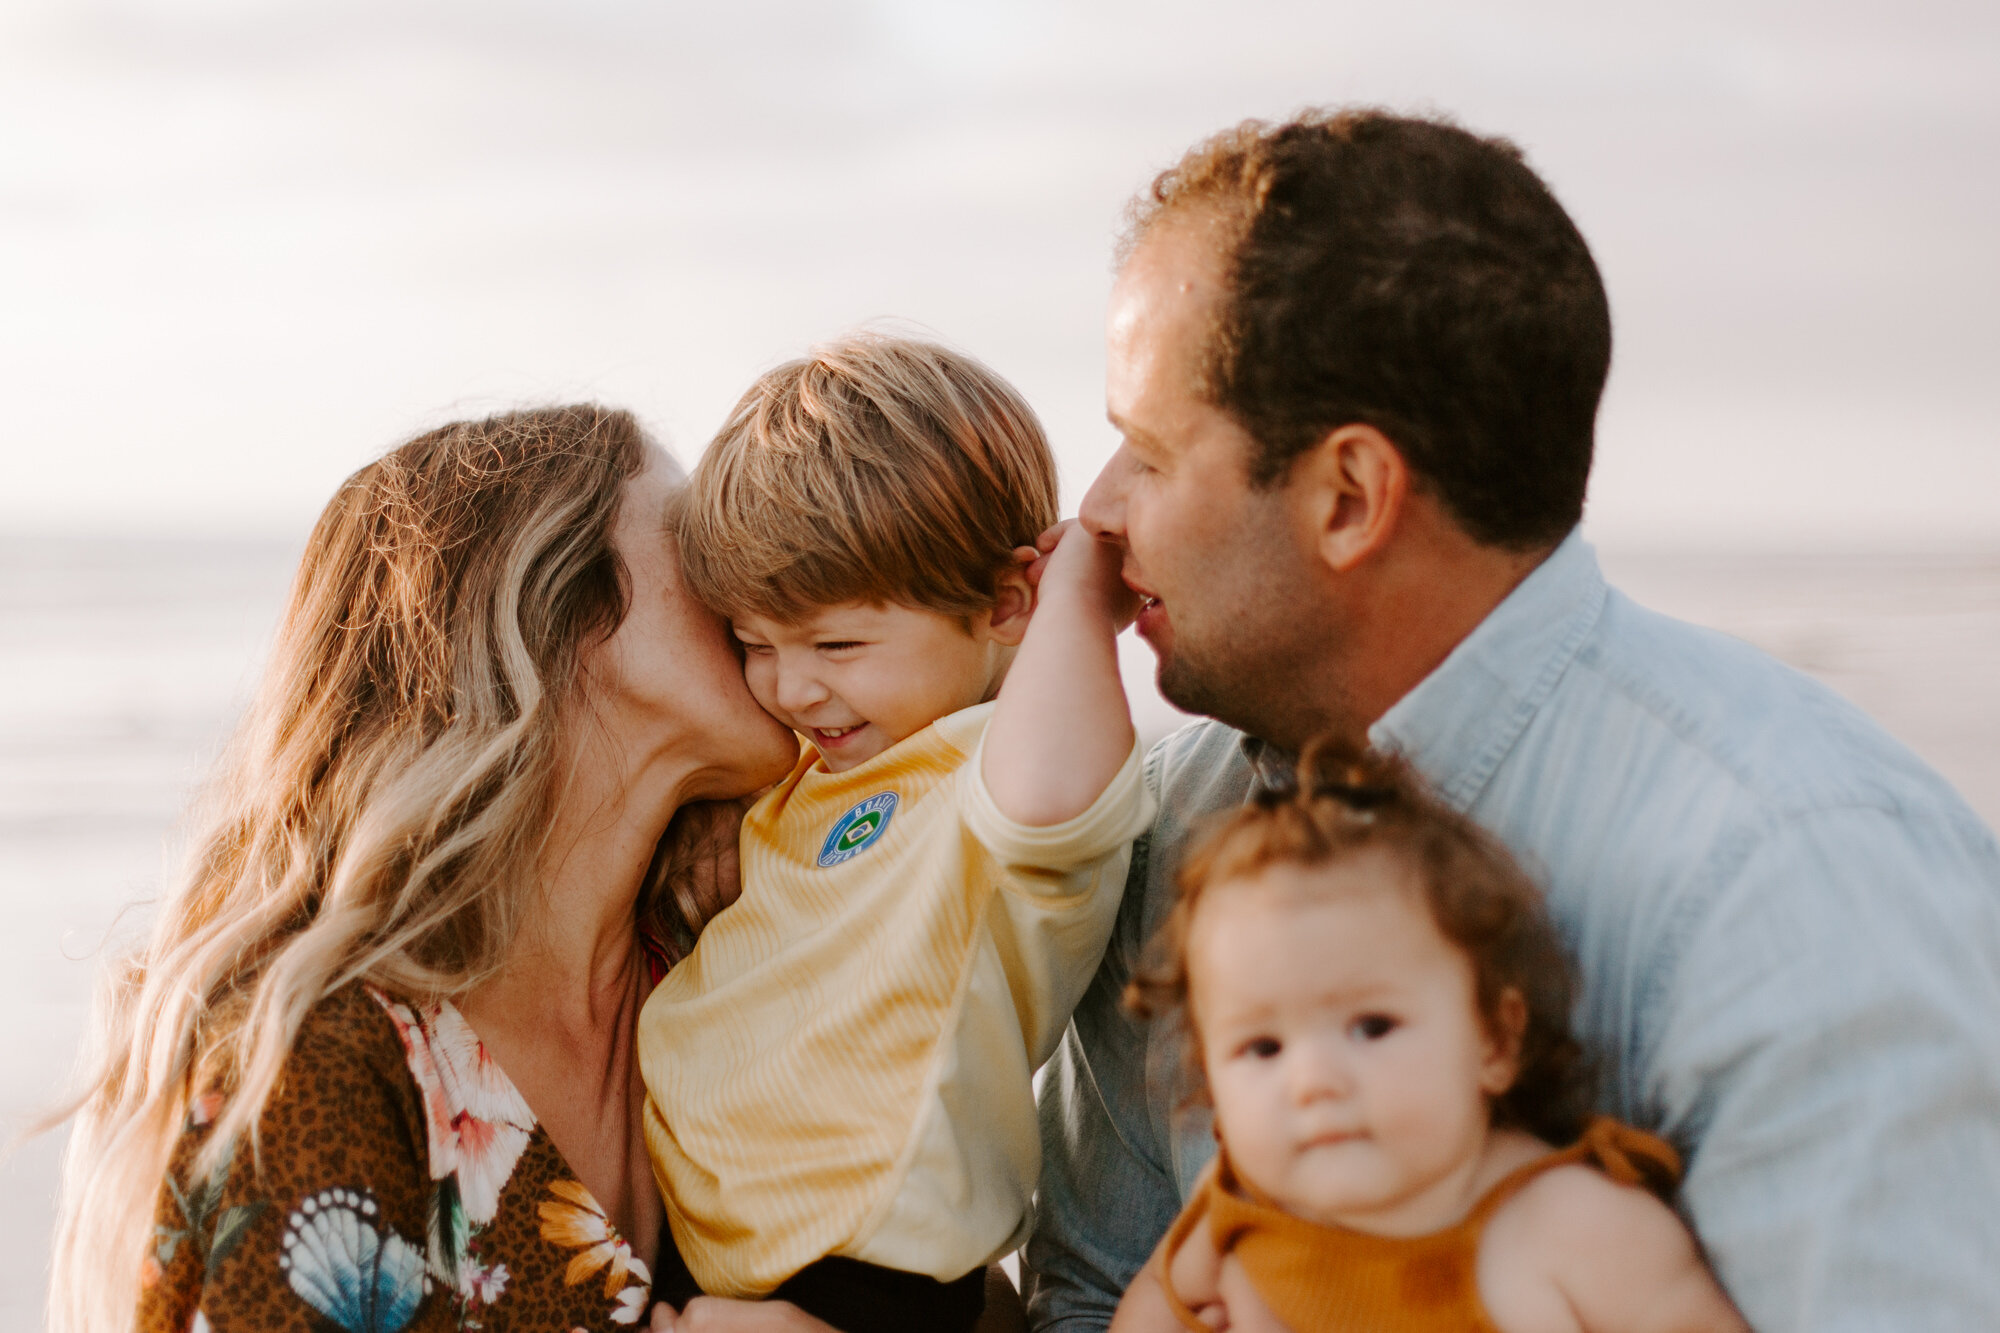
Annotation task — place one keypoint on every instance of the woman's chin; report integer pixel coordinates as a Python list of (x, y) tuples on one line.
[(770, 755)]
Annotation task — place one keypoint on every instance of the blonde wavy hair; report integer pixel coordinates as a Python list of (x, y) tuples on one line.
[(380, 812)]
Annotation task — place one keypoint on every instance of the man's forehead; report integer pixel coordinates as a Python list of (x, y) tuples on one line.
[(1162, 309), (1176, 262), (1188, 246)]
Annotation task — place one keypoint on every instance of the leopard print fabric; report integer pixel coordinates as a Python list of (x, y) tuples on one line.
[(402, 1184)]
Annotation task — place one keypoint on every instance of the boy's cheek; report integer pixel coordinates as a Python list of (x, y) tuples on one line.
[(757, 674)]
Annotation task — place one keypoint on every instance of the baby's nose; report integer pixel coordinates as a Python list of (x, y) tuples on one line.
[(1320, 1072)]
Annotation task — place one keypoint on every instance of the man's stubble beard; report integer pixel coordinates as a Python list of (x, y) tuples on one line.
[(1258, 669)]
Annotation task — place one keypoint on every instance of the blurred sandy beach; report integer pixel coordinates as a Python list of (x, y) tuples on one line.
[(123, 663)]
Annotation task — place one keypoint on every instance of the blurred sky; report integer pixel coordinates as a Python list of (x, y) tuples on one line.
[(245, 244)]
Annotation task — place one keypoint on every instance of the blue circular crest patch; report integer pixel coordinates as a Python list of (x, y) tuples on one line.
[(856, 831)]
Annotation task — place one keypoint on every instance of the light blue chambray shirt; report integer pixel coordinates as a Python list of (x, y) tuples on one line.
[(1789, 935)]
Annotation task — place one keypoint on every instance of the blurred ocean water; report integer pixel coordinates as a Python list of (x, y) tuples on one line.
[(123, 663)]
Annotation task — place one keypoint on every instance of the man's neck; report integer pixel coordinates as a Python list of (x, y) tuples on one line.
[(1402, 618)]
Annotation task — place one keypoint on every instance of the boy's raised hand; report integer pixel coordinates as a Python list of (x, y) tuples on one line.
[(1069, 555), (1061, 729)]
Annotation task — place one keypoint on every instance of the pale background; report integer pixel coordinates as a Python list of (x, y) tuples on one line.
[(244, 246)]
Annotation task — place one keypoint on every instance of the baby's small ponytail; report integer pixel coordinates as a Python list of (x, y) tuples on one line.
[(1340, 801)]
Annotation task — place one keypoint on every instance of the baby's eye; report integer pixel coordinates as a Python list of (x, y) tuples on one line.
[(754, 649), (839, 646), (1261, 1048), (1373, 1027)]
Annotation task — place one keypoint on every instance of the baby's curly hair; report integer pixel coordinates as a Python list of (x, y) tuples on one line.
[(1346, 803)]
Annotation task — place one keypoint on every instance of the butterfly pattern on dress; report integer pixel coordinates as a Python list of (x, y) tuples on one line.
[(365, 1278), (405, 1185)]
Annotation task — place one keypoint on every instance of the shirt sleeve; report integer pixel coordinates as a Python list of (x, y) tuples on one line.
[(329, 1209), (1059, 888), (1108, 1190), (1830, 1051), (1058, 860)]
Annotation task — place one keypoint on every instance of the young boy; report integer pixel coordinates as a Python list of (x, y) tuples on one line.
[(839, 1109)]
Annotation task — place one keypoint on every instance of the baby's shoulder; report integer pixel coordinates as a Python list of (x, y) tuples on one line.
[(1576, 1205), (1573, 1240)]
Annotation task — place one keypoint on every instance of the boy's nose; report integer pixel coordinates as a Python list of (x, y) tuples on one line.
[(799, 690)]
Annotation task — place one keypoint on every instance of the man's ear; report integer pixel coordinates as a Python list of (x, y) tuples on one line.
[(1352, 485), (1013, 605), (1500, 1064)]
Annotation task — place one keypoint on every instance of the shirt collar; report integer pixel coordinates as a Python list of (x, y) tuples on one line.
[(1271, 769), (1461, 720)]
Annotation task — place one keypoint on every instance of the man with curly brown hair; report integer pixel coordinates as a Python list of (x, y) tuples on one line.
[(1355, 362)]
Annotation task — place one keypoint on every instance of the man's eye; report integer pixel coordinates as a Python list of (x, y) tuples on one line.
[(1373, 1027), (1262, 1048)]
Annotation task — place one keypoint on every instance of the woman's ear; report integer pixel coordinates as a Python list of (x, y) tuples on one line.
[(1500, 1064), (1013, 601)]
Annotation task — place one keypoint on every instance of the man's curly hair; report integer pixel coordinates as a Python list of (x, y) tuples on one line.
[(1405, 274)]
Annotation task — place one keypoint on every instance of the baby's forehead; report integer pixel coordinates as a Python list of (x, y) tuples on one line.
[(1364, 919), (1356, 875)]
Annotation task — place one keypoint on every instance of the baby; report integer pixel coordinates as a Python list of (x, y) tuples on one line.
[(838, 1076), (1380, 1005)]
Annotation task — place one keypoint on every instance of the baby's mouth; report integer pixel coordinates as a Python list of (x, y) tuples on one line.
[(835, 733)]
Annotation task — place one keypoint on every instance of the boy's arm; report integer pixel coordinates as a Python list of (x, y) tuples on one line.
[(1062, 729)]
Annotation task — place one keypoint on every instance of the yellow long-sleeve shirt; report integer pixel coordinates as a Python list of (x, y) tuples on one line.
[(842, 1065)]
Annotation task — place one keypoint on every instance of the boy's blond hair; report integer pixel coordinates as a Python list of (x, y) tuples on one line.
[(876, 469)]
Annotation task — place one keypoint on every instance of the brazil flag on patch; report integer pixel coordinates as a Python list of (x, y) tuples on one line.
[(856, 831)]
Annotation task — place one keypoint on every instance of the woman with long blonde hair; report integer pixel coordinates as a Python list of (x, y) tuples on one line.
[(373, 1068)]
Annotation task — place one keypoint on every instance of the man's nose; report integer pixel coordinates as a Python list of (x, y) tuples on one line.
[(1103, 510)]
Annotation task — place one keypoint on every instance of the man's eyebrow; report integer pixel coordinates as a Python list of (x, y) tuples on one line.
[(1130, 431)]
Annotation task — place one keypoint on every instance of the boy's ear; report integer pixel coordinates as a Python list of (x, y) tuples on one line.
[(1509, 1026), (1013, 605)]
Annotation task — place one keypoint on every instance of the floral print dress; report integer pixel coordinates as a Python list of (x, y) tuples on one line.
[(404, 1185)]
